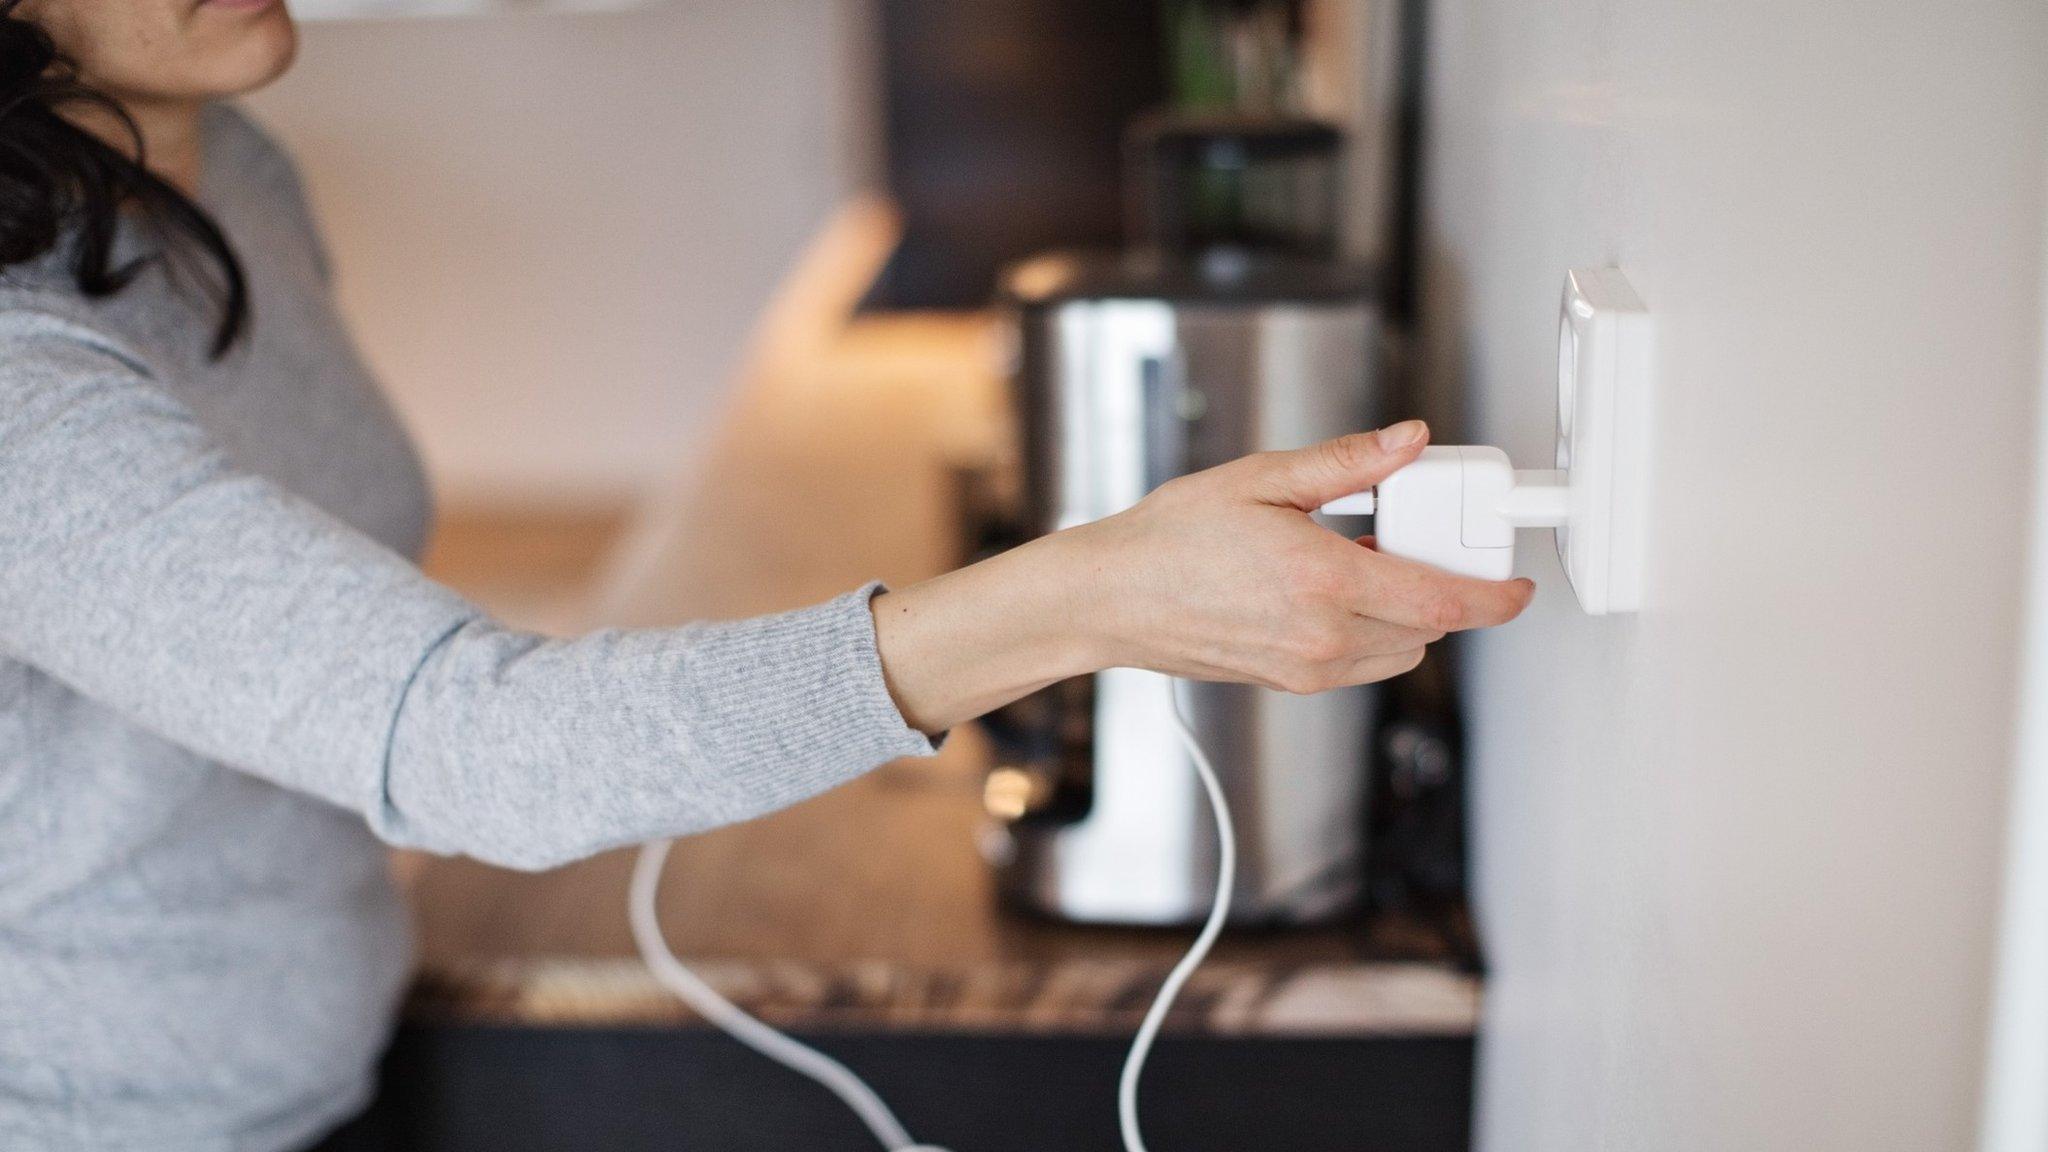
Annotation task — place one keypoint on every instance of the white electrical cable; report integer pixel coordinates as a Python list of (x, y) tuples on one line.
[(1226, 878), (787, 1051), (840, 1080)]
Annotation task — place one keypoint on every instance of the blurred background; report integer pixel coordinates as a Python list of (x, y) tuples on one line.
[(559, 231), (707, 308)]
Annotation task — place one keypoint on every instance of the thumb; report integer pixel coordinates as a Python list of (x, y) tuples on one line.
[(1307, 478)]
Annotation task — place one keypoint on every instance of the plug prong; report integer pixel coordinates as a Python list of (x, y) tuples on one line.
[(1356, 504), (1541, 498)]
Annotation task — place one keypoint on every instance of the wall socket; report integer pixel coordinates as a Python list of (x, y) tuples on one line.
[(1603, 437)]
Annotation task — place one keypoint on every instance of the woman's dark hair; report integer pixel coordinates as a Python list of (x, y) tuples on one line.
[(60, 184)]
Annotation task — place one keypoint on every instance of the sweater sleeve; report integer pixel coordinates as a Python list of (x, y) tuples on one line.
[(208, 605)]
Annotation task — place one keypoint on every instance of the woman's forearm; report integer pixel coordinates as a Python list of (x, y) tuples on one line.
[(975, 639)]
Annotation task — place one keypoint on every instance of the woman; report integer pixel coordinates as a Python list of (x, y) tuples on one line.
[(223, 681)]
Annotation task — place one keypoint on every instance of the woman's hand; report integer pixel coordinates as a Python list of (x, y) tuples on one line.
[(1220, 575)]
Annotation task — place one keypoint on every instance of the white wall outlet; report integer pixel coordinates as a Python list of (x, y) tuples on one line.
[(1603, 437), (1458, 506)]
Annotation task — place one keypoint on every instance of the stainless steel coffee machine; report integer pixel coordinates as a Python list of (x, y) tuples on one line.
[(1134, 368)]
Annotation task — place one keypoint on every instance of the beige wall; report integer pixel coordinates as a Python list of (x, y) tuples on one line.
[(554, 231), (1739, 856)]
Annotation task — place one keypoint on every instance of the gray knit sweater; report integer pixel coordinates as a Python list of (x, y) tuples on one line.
[(223, 681)]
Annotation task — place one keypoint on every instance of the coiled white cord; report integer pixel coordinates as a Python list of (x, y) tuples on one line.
[(840, 1080)]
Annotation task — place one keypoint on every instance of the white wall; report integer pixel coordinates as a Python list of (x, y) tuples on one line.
[(1738, 856), (554, 231)]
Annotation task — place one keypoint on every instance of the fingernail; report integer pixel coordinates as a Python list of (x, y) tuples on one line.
[(1402, 435)]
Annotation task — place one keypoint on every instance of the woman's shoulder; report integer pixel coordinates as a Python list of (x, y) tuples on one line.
[(43, 310), (40, 324)]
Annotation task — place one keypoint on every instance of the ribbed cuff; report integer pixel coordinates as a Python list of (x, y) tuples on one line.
[(868, 700), (803, 691)]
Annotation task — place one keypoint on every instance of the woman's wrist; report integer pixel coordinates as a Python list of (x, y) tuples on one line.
[(968, 642)]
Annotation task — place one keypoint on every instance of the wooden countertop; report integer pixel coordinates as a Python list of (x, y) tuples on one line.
[(871, 906), (841, 460)]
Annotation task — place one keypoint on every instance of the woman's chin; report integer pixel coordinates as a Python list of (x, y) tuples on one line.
[(254, 46)]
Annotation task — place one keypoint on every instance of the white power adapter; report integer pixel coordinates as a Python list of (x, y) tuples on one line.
[(1457, 508)]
